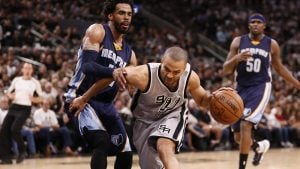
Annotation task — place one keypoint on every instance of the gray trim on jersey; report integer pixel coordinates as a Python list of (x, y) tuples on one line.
[(257, 114), (76, 80), (149, 79), (181, 122), (187, 81), (89, 119), (135, 100)]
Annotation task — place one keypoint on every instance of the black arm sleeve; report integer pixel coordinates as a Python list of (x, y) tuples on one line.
[(90, 66)]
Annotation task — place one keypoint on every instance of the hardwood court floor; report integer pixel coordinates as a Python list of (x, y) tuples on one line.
[(274, 159)]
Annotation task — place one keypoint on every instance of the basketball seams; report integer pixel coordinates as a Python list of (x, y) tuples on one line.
[(225, 106), (218, 119), (234, 96), (218, 102)]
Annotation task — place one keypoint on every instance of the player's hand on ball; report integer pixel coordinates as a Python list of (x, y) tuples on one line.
[(226, 106), (223, 89), (77, 105)]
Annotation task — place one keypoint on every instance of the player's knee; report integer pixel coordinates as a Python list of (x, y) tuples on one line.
[(246, 126), (165, 147), (237, 138), (97, 139), (99, 160)]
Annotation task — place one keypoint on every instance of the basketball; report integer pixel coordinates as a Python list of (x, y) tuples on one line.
[(226, 106)]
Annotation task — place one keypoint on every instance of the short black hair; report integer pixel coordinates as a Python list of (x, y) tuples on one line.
[(177, 53), (110, 6)]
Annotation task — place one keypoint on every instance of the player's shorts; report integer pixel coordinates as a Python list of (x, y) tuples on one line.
[(145, 136), (103, 116), (255, 100)]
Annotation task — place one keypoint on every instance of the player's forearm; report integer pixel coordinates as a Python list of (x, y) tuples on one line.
[(11, 96), (96, 70), (96, 88), (91, 68), (229, 65), (287, 75), (206, 100)]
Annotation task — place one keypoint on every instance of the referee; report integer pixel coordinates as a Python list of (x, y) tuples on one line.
[(24, 91)]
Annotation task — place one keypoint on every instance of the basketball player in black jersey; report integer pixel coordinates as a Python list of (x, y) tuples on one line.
[(251, 56)]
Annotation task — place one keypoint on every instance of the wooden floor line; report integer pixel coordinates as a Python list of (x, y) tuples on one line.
[(274, 159)]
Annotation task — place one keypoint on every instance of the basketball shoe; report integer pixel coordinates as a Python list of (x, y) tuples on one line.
[(261, 148)]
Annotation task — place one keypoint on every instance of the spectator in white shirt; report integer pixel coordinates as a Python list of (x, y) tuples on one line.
[(23, 91), (49, 130)]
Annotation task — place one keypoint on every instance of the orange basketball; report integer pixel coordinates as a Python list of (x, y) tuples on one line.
[(226, 106)]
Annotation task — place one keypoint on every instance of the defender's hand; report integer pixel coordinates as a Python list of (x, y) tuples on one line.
[(77, 105), (119, 77)]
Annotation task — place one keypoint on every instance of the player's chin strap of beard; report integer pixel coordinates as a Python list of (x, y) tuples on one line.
[(257, 16)]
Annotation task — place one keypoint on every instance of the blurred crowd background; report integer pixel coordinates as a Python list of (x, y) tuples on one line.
[(50, 32)]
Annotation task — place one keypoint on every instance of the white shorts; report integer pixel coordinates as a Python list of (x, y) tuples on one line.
[(145, 136)]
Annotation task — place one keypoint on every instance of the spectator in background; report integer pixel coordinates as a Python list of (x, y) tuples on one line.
[(24, 91), (213, 132), (193, 130), (280, 126), (294, 121), (48, 129), (263, 129), (4, 104)]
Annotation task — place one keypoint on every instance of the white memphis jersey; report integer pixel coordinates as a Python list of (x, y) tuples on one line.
[(158, 101)]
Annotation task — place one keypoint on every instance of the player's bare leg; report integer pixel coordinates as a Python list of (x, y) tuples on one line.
[(244, 138), (166, 151), (245, 142)]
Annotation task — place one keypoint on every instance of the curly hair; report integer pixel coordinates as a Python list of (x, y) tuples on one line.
[(110, 6)]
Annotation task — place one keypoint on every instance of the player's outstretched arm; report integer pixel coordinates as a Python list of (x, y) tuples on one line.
[(201, 96), (135, 76), (279, 67)]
